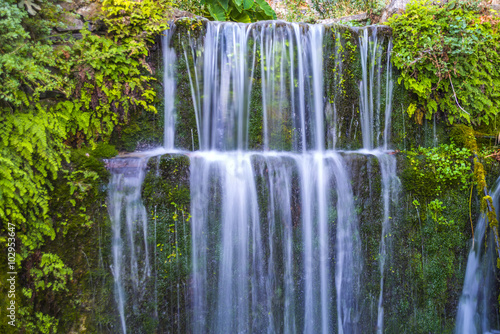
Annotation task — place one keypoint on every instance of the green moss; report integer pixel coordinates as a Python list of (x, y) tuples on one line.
[(428, 261), (186, 132), (255, 129), (166, 196), (463, 136), (342, 74), (169, 183), (88, 158)]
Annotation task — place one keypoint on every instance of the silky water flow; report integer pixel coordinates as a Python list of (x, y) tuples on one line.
[(275, 234)]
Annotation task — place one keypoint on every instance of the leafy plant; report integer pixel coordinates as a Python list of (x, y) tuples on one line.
[(449, 58), (57, 94), (442, 166), (338, 8), (239, 10), (30, 5)]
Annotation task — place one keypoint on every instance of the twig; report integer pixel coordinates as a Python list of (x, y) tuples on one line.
[(454, 94), (492, 155)]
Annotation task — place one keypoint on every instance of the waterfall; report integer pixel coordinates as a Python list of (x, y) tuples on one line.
[(130, 246), (237, 273), (221, 117), (276, 241), (371, 51), (129, 229), (169, 59), (473, 308), (390, 188), (246, 281)]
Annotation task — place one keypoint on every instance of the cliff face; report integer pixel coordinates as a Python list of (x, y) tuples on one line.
[(425, 248)]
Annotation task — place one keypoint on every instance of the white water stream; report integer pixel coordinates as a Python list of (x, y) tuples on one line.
[(276, 245), (474, 305)]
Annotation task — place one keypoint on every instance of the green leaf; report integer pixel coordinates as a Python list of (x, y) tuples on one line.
[(240, 17), (224, 4), (432, 105), (217, 12), (238, 3), (411, 109), (266, 8), (247, 4)]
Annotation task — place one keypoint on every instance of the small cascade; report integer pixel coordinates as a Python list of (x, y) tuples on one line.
[(227, 290), (221, 116), (475, 302), (292, 85), (348, 254), (389, 88), (238, 273), (390, 188), (370, 87), (129, 223), (370, 109), (243, 250), (169, 87)]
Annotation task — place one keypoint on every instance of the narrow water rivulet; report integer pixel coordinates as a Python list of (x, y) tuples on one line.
[(475, 302), (131, 262)]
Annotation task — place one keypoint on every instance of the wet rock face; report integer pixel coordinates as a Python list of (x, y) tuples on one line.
[(78, 13)]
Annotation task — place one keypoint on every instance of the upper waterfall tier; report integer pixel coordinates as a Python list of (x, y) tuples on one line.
[(277, 86)]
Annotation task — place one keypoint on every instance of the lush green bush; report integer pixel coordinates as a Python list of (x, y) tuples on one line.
[(338, 8), (432, 170), (58, 94), (239, 10), (229, 10), (449, 57)]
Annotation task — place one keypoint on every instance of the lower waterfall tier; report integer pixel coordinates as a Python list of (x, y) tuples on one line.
[(284, 243)]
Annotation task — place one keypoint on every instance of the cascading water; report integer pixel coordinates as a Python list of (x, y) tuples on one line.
[(390, 187), (370, 89), (276, 245), (129, 226), (474, 306), (169, 59), (370, 104), (238, 274), (243, 254)]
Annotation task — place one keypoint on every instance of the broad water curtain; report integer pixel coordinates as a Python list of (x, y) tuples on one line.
[(288, 135)]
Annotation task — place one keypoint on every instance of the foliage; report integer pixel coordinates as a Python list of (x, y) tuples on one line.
[(245, 11), (238, 10), (443, 239), (433, 177), (295, 11), (58, 94), (26, 55), (449, 58), (111, 71), (431, 170), (191, 6), (338, 8), (134, 23)]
